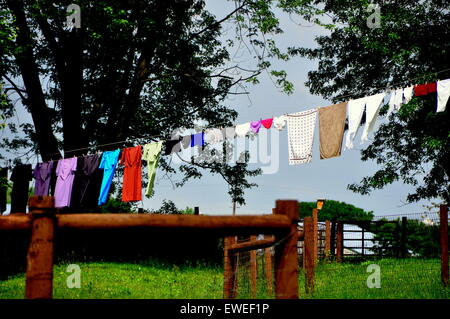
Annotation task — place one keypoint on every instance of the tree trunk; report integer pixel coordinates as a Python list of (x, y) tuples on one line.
[(71, 87), (46, 141)]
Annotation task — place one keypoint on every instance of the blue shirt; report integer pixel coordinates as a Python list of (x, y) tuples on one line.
[(198, 139), (108, 164)]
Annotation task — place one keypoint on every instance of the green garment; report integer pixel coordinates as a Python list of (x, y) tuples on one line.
[(151, 154)]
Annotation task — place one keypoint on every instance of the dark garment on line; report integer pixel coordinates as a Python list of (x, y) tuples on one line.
[(42, 175), (21, 177), (3, 188), (184, 142), (87, 182), (172, 146), (53, 178)]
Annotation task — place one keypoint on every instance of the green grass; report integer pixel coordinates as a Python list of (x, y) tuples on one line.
[(400, 279), (407, 278), (105, 280)]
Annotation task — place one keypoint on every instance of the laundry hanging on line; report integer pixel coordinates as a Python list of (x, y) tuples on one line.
[(21, 176), (300, 136), (42, 175), (443, 94), (331, 129), (131, 159), (59, 178), (355, 112), (151, 154), (87, 182), (65, 172), (108, 164)]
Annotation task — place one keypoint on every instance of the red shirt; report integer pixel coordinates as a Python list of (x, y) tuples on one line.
[(132, 176), (424, 89)]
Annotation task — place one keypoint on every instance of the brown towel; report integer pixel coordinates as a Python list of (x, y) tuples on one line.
[(331, 129)]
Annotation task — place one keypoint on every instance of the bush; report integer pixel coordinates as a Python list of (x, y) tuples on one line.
[(333, 210), (422, 240)]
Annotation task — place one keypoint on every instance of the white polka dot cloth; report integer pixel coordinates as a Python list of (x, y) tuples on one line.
[(300, 128)]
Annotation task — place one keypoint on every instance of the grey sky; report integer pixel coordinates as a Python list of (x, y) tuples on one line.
[(321, 178)]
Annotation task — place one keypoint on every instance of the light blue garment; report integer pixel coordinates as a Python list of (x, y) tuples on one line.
[(198, 139), (108, 164)]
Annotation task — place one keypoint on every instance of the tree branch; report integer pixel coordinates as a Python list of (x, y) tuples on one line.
[(212, 25), (15, 88)]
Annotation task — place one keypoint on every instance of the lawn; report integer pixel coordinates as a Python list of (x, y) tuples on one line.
[(399, 279), (105, 280)]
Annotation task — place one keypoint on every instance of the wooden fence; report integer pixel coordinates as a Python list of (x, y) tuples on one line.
[(285, 256), (43, 220), (331, 241)]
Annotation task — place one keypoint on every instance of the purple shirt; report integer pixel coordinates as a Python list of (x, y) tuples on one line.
[(42, 175), (255, 126), (65, 172)]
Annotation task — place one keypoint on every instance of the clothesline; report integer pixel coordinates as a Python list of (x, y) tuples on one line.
[(113, 143), (89, 190), (393, 87)]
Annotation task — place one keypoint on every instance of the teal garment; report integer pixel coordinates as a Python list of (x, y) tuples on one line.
[(108, 164)]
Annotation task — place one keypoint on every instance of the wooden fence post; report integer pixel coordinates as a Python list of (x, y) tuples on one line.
[(309, 257), (253, 269), (315, 215), (286, 254), (268, 270), (333, 238), (39, 275), (362, 241), (327, 239), (229, 273), (339, 241), (403, 248), (444, 243)]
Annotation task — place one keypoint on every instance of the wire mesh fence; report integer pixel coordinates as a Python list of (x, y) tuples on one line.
[(392, 256), (377, 278)]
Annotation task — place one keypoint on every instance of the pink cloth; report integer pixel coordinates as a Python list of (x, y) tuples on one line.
[(267, 123), (65, 172), (255, 126)]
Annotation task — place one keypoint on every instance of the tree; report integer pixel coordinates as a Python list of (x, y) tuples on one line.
[(169, 207), (135, 70), (410, 47), (217, 161), (334, 211), (421, 239), (115, 205)]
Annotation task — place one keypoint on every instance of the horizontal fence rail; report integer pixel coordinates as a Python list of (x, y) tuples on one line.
[(223, 224), (43, 221)]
